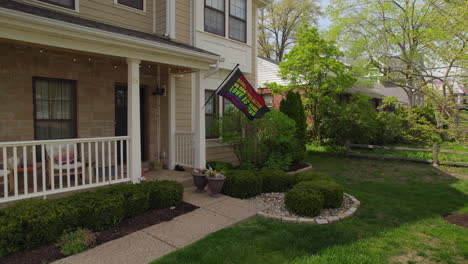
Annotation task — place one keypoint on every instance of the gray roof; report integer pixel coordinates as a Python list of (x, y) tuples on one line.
[(51, 14), (367, 91)]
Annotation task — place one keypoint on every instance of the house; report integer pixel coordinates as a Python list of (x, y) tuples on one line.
[(91, 88), (268, 72)]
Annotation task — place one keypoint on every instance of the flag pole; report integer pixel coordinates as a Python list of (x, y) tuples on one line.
[(221, 85)]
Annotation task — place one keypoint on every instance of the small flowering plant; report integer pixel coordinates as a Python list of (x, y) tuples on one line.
[(214, 174), (75, 242), (198, 171)]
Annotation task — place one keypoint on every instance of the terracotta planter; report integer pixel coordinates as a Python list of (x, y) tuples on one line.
[(200, 182), (215, 185)]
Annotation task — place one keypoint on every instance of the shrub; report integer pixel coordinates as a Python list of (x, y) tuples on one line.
[(242, 184), (220, 165), (135, 198), (165, 194), (76, 242), (304, 201), (292, 106), (276, 180), (34, 222), (310, 176), (332, 192), (98, 210)]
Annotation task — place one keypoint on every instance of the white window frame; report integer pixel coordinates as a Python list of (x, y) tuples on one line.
[(129, 8)]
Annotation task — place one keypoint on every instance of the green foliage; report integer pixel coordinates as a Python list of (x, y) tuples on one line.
[(304, 200), (242, 184), (220, 165), (332, 192), (164, 194), (278, 161), (270, 138), (292, 106), (276, 180), (34, 222), (315, 65), (76, 242)]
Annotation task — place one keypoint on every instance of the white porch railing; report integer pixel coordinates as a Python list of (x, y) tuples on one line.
[(184, 149), (39, 168)]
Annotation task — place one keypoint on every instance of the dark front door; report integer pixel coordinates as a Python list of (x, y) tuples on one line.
[(121, 116)]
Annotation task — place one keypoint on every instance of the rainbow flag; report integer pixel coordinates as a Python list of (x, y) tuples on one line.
[(238, 90)]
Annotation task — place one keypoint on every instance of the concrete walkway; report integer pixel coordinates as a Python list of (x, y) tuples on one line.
[(155, 241)]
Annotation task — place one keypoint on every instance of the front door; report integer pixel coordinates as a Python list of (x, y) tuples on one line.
[(121, 116)]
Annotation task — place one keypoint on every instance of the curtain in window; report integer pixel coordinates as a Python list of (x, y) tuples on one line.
[(237, 20), (54, 109)]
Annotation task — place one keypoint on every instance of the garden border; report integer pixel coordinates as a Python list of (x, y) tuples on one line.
[(316, 220)]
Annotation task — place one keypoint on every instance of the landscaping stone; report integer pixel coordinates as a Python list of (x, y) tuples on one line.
[(274, 208)]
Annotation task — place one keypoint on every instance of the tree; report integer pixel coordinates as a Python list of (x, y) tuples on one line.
[(314, 66), (292, 106), (409, 43), (278, 23)]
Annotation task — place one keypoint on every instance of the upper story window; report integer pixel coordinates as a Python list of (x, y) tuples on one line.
[(138, 4), (215, 17), (62, 3), (238, 20)]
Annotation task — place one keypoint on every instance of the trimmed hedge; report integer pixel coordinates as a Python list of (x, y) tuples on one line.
[(304, 200), (34, 222), (276, 180), (242, 184), (332, 192), (220, 165)]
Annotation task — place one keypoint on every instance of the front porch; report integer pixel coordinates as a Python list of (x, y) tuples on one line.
[(75, 120)]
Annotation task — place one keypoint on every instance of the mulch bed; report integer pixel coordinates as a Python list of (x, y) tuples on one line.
[(297, 166), (49, 253), (458, 219)]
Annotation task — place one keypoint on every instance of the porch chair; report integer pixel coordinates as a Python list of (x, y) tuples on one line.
[(60, 155)]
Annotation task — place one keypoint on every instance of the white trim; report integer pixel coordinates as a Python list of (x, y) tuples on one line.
[(133, 69), (132, 9), (60, 141), (154, 17), (171, 117), (170, 19), (56, 7), (129, 41)]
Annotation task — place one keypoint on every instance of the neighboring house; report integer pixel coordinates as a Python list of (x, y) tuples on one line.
[(398, 92), (91, 88), (459, 91), (268, 72)]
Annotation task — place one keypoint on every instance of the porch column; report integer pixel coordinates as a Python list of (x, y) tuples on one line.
[(199, 119), (171, 88), (133, 66)]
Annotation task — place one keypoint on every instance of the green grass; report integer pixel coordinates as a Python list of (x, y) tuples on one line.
[(399, 222)]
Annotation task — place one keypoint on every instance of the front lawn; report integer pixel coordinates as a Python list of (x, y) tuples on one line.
[(399, 222)]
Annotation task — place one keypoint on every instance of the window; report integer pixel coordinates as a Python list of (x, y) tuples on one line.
[(215, 17), (54, 108), (63, 3), (138, 4), (268, 98), (227, 105), (237, 20), (211, 112)]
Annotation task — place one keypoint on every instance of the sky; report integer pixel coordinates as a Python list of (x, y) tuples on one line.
[(324, 22)]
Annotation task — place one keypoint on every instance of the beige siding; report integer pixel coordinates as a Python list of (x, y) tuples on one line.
[(183, 21), (184, 103)]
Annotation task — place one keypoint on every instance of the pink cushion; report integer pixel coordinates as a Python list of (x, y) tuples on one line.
[(63, 157)]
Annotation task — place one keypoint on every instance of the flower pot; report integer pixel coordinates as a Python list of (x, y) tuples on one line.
[(200, 182), (215, 185)]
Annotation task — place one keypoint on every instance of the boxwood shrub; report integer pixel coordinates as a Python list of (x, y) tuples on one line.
[(242, 184), (332, 192), (34, 222), (276, 180), (304, 200), (220, 165)]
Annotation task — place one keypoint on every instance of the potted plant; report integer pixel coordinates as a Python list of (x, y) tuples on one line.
[(199, 179), (215, 182)]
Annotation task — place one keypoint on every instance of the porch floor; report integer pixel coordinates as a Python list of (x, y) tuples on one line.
[(184, 177)]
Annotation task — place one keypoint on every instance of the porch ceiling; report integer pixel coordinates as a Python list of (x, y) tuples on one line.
[(41, 26)]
